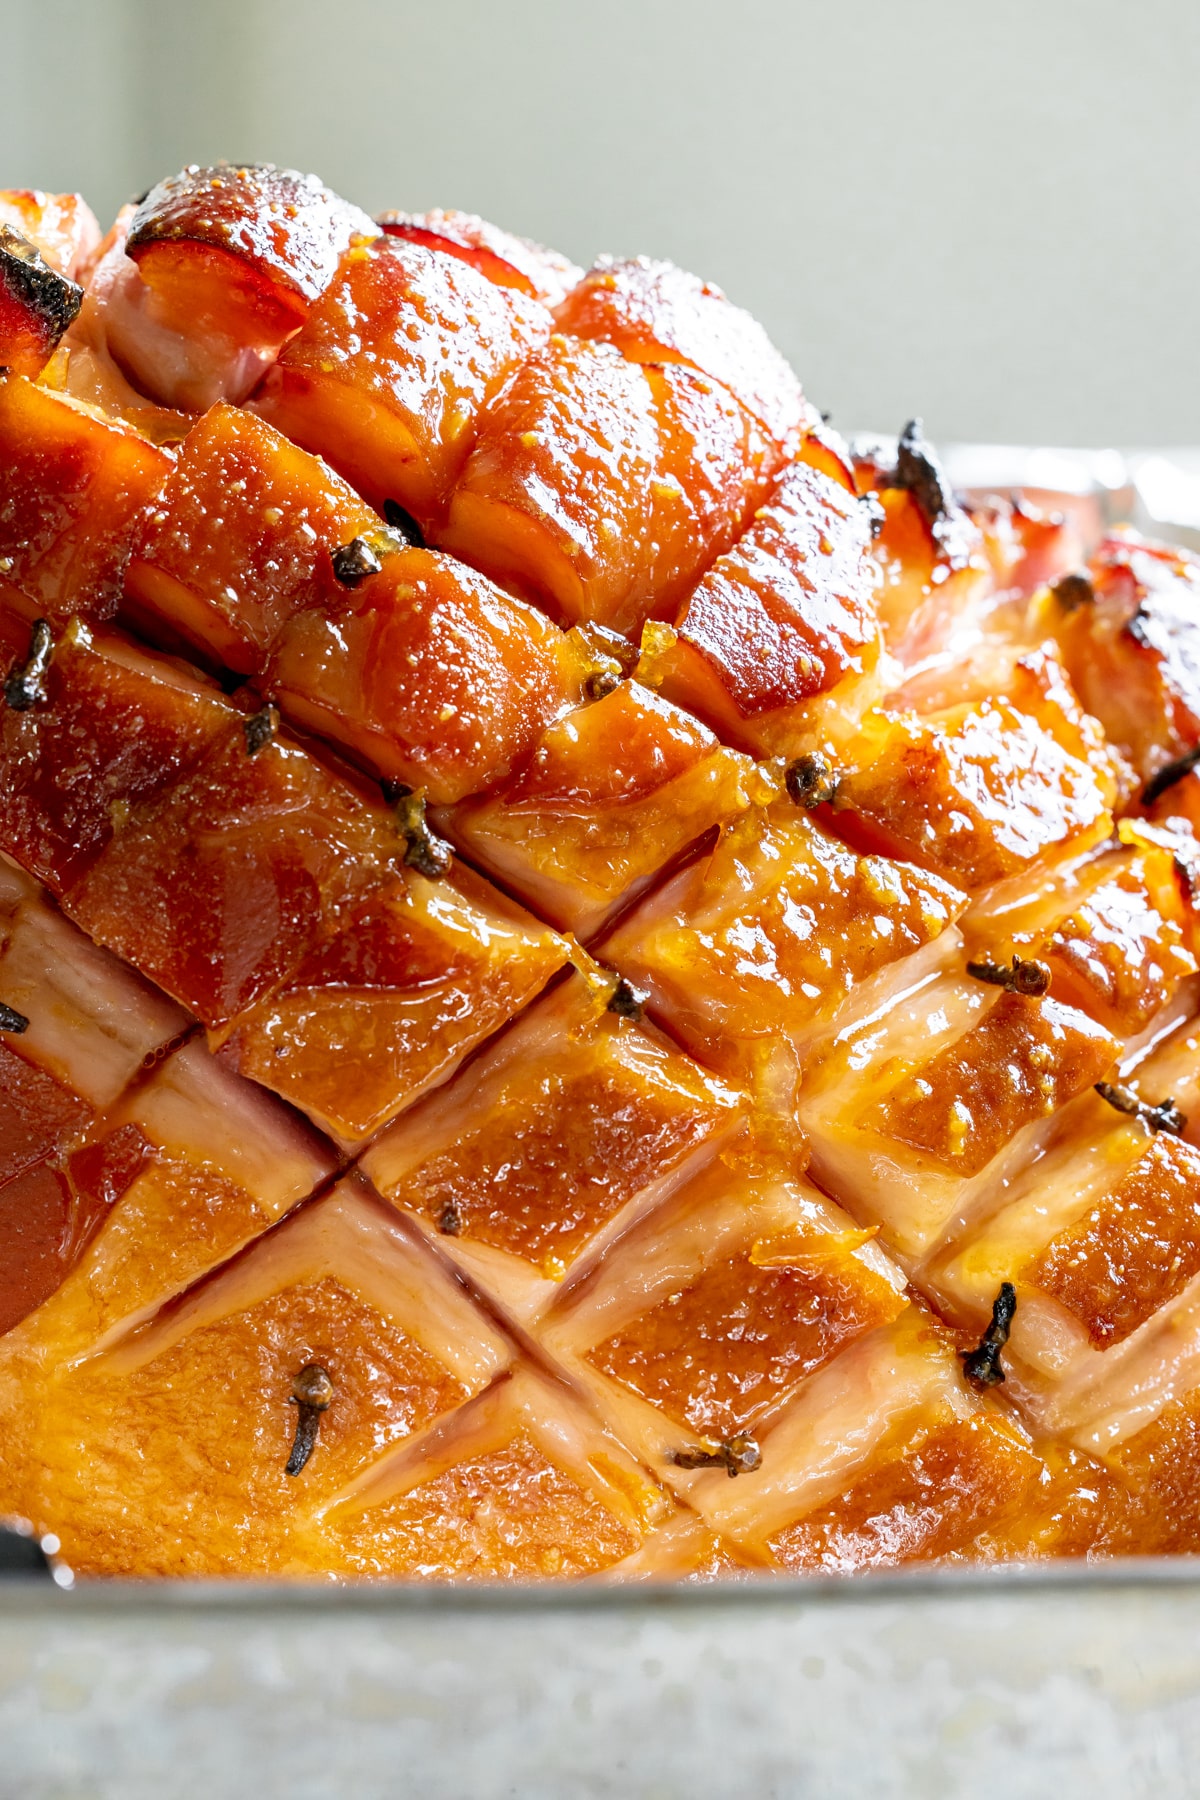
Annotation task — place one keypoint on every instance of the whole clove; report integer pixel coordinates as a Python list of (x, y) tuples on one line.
[(426, 852), (1161, 1115), (12, 1020), (1073, 591), (1022, 976), (627, 1001), (450, 1220), (736, 1455), (811, 780), (312, 1392), (353, 562), (601, 682), (982, 1366), (261, 729), (26, 686), (919, 470)]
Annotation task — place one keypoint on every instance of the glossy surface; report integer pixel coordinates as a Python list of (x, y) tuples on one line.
[(601, 488), (75, 484), (592, 633), (427, 673), (507, 260), (654, 312), (220, 268), (389, 373)]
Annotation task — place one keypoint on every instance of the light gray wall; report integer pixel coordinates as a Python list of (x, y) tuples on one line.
[(985, 213)]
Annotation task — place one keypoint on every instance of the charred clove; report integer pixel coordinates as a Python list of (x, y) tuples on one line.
[(736, 1455), (601, 682), (626, 1001), (353, 562), (1166, 778), (812, 780), (426, 852), (312, 1392), (1162, 1115), (981, 1366), (919, 470), (26, 686), (611, 656), (1024, 976), (450, 1220), (1073, 591), (261, 729), (401, 520), (12, 1020), (50, 297)]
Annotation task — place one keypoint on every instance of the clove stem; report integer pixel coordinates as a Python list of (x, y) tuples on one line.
[(1025, 976), (26, 685), (982, 1366), (736, 1455), (312, 1393)]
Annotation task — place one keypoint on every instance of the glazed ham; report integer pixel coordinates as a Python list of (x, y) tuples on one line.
[(591, 986)]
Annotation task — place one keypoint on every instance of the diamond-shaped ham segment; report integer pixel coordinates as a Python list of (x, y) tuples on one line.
[(75, 486), (920, 1110), (1131, 648), (767, 938), (522, 1483), (99, 1112), (542, 1149), (1095, 1237), (976, 793), (786, 614), (706, 1315), (1137, 1248), (507, 260), (374, 1016), (657, 313), (219, 887), (116, 729), (208, 1386), (1113, 929), (426, 673), (871, 1408), (929, 1501), (221, 266), (1019, 1063), (613, 792), (602, 489), (187, 1168), (241, 537), (387, 378)]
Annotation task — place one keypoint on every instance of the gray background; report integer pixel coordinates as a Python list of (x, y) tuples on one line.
[(984, 213)]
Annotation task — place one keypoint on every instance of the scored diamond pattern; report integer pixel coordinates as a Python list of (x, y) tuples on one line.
[(522, 866)]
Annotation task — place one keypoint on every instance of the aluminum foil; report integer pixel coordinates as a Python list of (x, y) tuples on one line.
[(1156, 491)]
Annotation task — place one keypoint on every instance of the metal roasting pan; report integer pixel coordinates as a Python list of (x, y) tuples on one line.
[(1019, 1683), (1038, 1683)]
